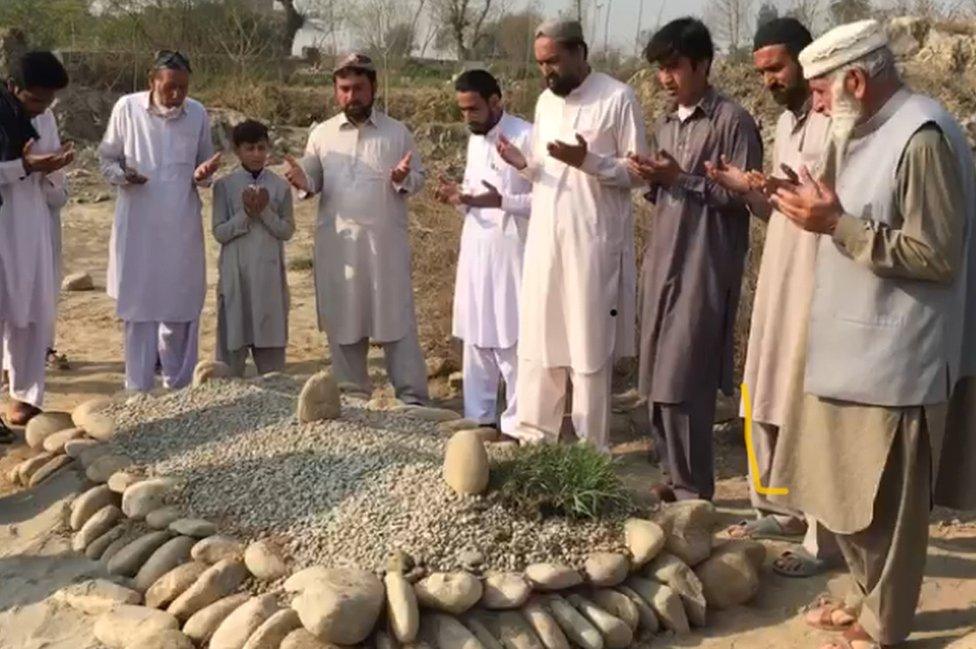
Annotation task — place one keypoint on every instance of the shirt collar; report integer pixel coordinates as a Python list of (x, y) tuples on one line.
[(706, 105), (875, 122), (801, 116), (345, 121), (250, 174), (148, 105)]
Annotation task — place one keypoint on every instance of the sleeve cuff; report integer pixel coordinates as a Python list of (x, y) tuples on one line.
[(847, 231), (591, 163)]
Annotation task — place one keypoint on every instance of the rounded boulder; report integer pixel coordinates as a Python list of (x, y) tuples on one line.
[(466, 468)]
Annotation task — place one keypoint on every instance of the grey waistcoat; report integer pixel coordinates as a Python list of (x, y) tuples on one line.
[(887, 341)]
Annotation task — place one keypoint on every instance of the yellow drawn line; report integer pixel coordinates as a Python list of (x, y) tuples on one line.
[(751, 451)]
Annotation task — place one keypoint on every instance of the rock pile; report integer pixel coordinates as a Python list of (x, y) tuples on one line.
[(188, 583)]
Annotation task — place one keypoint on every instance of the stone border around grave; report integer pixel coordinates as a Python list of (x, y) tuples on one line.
[(178, 580)]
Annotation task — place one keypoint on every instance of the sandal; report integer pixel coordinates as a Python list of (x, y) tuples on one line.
[(766, 527), (56, 361), (854, 638), (827, 613), (798, 564), (19, 413)]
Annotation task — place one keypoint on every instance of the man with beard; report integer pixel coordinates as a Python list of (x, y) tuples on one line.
[(365, 166), (861, 450), (694, 258), (156, 151), (31, 158), (495, 201), (781, 306), (577, 311)]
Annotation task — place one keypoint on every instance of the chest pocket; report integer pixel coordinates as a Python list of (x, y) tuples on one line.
[(181, 154), (600, 137)]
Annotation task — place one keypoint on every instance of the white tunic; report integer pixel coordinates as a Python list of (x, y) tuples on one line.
[(489, 270), (579, 290), (362, 247), (156, 268), (27, 284)]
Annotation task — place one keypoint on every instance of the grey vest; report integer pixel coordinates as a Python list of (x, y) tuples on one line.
[(887, 341)]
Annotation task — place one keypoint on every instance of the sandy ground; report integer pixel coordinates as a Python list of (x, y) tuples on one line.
[(36, 561)]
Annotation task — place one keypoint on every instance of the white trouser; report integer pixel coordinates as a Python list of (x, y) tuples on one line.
[(25, 357), (542, 403), (170, 345), (483, 368)]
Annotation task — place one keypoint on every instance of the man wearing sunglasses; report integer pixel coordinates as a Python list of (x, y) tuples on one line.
[(30, 159), (156, 150)]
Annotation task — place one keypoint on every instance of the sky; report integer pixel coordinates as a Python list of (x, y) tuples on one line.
[(624, 15)]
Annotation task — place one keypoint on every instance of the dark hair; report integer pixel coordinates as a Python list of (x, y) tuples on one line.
[(479, 81), (171, 60), (687, 37), (788, 32), (249, 132), (350, 70), (575, 44), (39, 70)]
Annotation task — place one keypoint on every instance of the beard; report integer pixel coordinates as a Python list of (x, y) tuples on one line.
[(358, 113), (845, 113), (482, 128), (561, 86), (788, 96)]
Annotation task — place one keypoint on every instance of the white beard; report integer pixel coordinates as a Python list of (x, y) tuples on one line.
[(845, 113), (165, 111)]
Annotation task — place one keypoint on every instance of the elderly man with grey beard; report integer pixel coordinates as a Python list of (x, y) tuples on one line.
[(861, 447)]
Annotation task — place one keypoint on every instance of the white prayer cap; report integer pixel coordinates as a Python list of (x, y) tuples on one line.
[(841, 46)]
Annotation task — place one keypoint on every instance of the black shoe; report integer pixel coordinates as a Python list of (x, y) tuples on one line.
[(6, 435)]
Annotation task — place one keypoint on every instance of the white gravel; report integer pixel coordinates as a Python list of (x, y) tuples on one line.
[(342, 492)]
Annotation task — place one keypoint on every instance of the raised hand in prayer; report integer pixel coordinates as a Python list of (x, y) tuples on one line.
[(571, 154), (255, 199), (47, 163), (812, 205), (207, 169), (729, 176), (510, 153), (662, 170), (295, 175), (491, 198), (448, 192), (400, 172)]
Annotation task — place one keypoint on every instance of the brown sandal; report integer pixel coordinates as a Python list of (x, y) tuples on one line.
[(821, 614)]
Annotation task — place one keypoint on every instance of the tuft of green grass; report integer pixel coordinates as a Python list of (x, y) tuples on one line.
[(572, 480)]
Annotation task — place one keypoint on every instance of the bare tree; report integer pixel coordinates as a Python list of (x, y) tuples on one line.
[(808, 12), (244, 37), (730, 21), (464, 22), (386, 29)]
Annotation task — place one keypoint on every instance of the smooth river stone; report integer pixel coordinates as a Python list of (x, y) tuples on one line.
[(451, 592), (132, 557), (202, 624), (118, 627), (552, 576), (273, 630), (143, 497), (102, 468), (504, 590), (98, 596), (159, 519), (56, 442), (217, 582), (97, 548), (170, 554), (84, 506), (50, 468), (217, 548), (195, 527), (100, 522), (606, 568), (402, 609), (466, 468), (43, 426), (237, 627), (171, 585)]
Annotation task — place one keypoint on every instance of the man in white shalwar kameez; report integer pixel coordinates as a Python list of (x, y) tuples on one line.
[(578, 310), (156, 150), (365, 166), (27, 286), (495, 201)]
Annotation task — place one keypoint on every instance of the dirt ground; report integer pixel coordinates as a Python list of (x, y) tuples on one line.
[(35, 557)]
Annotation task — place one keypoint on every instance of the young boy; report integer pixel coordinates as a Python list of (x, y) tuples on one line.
[(252, 218)]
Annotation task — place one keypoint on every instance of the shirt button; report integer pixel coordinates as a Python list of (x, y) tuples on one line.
[(613, 313)]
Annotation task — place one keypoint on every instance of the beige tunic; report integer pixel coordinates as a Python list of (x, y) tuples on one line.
[(785, 285), (362, 247), (253, 287), (831, 454)]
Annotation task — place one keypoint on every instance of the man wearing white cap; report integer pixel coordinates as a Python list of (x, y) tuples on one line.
[(364, 166), (578, 300), (861, 449)]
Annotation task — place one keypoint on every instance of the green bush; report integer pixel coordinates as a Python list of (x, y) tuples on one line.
[(562, 480)]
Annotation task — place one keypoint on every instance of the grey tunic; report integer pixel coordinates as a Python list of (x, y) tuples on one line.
[(696, 248), (253, 288)]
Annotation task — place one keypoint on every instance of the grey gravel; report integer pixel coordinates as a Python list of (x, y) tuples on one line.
[(343, 492)]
